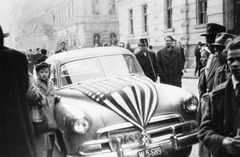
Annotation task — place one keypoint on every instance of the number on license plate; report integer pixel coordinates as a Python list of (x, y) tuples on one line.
[(151, 152)]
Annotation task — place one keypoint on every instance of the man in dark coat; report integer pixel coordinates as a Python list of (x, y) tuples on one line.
[(16, 133), (169, 64), (182, 54), (222, 72), (197, 55), (44, 56), (147, 60), (212, 30), (62, 49), (36, 56), (220, 128)]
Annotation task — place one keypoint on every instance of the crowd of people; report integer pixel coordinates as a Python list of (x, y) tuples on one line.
[(217, 65)]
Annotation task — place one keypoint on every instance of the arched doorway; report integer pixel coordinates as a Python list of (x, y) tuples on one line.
[(96, 39), (112, 37)]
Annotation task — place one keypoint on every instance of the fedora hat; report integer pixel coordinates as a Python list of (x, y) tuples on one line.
[(2, 35), (213, 29), (143, 41), (221, 39)]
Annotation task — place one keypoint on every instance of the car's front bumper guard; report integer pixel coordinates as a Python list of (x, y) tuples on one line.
[(175, 141)]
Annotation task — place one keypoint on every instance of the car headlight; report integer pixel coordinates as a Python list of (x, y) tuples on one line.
[(190, 104), (80, 125)]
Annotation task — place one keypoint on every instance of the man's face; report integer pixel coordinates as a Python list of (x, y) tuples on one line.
[(222, 58), (43, 74), (174, 44), (179, 44), (168, 42), (142, 47), (204, 57), (63, 45), (233, 57)]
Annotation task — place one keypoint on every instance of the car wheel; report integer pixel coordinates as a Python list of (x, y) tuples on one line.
[(181, 153)]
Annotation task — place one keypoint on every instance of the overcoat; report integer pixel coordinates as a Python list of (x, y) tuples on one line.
[(221, 75), (210, 78), (16, 132), (49, 92), (148, 64), (220, 119), (169, 66)]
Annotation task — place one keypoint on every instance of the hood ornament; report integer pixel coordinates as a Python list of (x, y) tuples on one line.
[(146, 138)]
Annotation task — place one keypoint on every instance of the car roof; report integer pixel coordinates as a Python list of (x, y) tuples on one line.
[(86, 52)]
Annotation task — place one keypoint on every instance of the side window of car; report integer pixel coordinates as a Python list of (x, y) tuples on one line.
[(53, 74)]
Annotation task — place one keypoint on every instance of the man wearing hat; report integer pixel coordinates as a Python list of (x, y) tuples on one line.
[(16, 133), (147, 59), (169, 64), (220, 128), (222, 73), (211, 32)]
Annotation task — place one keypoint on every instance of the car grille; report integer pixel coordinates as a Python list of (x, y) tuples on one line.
[(151, 126), (160, 128)]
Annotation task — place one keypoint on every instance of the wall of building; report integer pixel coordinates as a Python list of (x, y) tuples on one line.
[(184, 19), (47, 23)]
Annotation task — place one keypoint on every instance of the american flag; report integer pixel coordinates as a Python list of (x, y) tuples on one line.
[(132, 97)]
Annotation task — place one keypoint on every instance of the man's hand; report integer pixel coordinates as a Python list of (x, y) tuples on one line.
[(236, 142), (228, 145)]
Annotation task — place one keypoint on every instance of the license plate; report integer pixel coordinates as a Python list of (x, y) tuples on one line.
[(150, 152), (127, 136)]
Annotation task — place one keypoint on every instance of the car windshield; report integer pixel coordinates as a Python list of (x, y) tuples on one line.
[(104, 66)]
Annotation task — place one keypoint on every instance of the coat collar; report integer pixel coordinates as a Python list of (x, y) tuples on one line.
[(43, 85), (168, 56), (142, 55)]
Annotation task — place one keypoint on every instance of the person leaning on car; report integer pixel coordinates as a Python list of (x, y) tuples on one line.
[(220, 128), (147, 60)]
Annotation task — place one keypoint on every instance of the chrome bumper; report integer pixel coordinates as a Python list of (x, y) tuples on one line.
[(172, 144)]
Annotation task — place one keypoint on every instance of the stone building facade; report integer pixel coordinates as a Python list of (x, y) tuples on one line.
[(80, 23), (184, 20)]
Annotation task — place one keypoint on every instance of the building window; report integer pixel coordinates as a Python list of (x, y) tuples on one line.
[(131, 21), (169, 13), (95, 7), (112, 7), (72, 9), (69, 10), (202, 11), (145, 18)]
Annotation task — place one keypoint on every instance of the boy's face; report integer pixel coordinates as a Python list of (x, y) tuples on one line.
[(43, 74)]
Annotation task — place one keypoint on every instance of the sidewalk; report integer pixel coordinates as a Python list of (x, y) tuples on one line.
[(189, 74)]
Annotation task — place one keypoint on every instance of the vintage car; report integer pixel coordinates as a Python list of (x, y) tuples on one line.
[(109, 108)]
